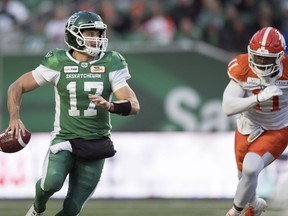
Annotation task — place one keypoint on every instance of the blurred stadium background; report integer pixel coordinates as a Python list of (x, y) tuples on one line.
[(176, 157)]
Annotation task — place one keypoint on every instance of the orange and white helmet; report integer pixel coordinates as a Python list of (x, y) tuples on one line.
[(265, 51)]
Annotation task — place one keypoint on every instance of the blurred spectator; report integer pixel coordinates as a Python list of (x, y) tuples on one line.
[(14, 10), (284, 24), (8, 22), (266, 17), (211, 21), (113, 19), (247, 8), (236, 33), (13, 14), (187, 30), (269, 13), (137, 15), (218, 22), (185, 9), (87, 5), (160, 27), (36, 40), (54, 27)]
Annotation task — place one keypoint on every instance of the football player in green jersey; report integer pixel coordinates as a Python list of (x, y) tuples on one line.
[(85, 77)]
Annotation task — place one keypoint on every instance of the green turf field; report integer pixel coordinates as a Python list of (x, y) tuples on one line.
[(146, 207)]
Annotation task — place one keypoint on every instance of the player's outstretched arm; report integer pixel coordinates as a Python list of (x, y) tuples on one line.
[(23, 84)]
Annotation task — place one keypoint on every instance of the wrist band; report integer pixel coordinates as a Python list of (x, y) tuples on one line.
[(110, 106), (122, 107)]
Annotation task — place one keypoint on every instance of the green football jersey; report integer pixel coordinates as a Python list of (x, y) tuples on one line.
[(75, 115)]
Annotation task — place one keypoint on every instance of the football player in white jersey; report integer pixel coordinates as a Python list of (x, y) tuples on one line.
[(85, 77), (258, 92)]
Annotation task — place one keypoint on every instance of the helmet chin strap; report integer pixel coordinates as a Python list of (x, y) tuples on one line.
[(270, 79), (91, 52), (274, 74)]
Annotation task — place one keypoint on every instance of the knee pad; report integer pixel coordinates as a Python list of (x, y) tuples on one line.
[(253, 164), (52, 183)]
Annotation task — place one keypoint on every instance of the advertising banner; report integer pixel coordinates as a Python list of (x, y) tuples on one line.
[(178, 91), (147, 165)]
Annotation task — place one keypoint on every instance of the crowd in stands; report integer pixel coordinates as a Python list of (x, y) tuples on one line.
[(227, 24)]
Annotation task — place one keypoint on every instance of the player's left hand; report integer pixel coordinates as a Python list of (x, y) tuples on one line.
[(269, 92), (99, 101)]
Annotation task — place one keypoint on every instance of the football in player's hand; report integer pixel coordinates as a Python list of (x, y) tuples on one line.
[(10, 144)]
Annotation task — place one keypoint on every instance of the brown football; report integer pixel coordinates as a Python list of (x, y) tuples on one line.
[(10, 144)]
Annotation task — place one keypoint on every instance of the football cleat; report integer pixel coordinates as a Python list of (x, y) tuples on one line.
[(32, 212), (257, 208), (233, 212)]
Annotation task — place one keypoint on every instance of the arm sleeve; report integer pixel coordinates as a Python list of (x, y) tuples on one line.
[(234, 101), (44, 75), (118, 78)]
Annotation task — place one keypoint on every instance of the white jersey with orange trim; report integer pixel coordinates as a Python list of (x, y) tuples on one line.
[(271, 114)]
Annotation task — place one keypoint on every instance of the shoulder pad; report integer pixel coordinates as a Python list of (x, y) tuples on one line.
[(54, 52), (49, 54), (116, 55), (285, 67), (238, 68), (114, 60), (52, 58)]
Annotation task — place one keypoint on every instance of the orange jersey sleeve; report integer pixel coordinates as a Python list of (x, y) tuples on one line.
[(239, 70), (285, 68)]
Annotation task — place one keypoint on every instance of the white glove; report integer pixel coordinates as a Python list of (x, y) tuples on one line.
[(269, 92)]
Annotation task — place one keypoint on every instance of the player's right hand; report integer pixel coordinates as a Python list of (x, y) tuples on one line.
[(269, 92), (99, 101), (15, 125)]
